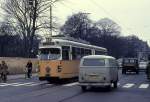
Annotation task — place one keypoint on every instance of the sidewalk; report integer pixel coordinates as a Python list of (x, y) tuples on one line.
[(19, 76)]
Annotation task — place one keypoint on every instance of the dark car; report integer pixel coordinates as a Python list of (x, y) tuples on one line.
[(130, 65)]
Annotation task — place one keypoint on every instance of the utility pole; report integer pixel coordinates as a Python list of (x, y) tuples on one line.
[(51, 2), (85, 25), (51, 19)]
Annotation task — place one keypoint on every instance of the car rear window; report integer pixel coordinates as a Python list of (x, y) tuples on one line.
[(93, 62), (143, 63), (132, 61), (129, 61)]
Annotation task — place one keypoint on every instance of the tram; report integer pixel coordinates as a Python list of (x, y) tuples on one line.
[(59, 58)]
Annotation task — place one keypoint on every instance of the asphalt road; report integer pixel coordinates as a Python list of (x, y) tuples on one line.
[(132, 88)]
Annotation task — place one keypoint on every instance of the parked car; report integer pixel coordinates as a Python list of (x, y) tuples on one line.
[(130, 65), (98, 71), (143, 65)]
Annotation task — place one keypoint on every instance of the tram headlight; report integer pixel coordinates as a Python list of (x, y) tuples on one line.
[(48, 69), (59, 68)]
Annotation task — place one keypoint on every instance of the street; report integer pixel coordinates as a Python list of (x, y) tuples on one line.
[(131, 88), (96, 41)]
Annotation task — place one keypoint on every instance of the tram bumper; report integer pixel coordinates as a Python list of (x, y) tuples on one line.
[(48, 78)]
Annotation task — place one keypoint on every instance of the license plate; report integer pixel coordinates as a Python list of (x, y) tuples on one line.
[(94, 77)]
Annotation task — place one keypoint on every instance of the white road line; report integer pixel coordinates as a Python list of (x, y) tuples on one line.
[(22, 84), (8, 84), (144, 86), (35, 84), (129, 85), (2, 84), (71, 84)]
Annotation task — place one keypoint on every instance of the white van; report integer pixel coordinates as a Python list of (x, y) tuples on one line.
[(143, 65), (98, 70)]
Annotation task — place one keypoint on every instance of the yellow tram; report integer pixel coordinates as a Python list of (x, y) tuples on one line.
[(59, 58)]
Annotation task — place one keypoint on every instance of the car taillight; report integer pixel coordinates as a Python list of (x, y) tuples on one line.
[(59, 68)]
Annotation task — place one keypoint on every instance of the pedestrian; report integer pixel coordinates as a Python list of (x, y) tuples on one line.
[(0, 72), (29, 69), (148, 70), (4, 71)]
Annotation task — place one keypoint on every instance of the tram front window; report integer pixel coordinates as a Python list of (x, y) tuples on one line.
[(50, 54)]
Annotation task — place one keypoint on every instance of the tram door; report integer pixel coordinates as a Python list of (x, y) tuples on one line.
[(70, 67)]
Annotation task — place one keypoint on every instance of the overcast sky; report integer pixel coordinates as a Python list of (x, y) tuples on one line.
[(132, 15)]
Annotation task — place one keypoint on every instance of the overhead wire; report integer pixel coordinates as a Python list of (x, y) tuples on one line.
[(66, 5), (105, 11)]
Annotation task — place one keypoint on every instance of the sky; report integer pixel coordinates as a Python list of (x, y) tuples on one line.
[(132, 15)]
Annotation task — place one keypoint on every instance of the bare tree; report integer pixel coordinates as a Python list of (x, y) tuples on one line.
[(28, 17), (77, 25), (108, 27)]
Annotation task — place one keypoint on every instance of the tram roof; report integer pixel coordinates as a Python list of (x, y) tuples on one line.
[(62, 42)]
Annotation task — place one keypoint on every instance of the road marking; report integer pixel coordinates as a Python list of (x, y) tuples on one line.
[(71, 84), (129, 85), (144, 86), (34, 84), (8, 84), (22, 84)]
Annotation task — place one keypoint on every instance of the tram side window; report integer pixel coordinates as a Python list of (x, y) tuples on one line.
[(99, 53), (65, 52), (76, 53), (87, 52), (79, 53), (82, 52)]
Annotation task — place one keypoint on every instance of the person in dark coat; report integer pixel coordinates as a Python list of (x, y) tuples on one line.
[(29, 69), (0, 72), (4, 71), (148, 68)]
